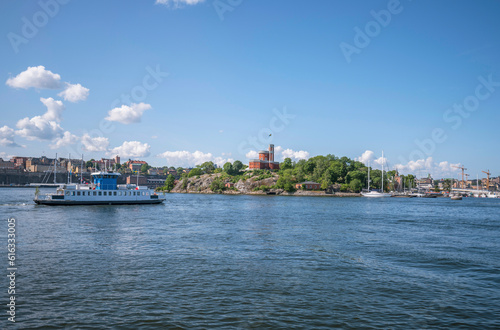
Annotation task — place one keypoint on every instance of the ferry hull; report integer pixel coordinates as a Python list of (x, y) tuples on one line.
[(68, 203)]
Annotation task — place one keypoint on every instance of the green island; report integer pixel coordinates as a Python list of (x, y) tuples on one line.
[(329, 174)]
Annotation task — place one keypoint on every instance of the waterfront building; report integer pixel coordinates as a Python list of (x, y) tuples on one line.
[(308, 185), (265, 161)]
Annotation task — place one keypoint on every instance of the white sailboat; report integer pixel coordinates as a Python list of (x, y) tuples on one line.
[(376, 194)]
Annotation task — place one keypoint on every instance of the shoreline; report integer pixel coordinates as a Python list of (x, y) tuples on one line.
[(302, 194)]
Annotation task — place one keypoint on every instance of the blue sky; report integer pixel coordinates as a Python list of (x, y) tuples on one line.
[(178, 83)]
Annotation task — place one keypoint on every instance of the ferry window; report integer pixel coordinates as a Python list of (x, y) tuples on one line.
[(78, 193), (67, 193), (72, 193), (147, 194), (114, 193), (143, 193), (105, 193), (100, 193), (94, 193), (83, 193)]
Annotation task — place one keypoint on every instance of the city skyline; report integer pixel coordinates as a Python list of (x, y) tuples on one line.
[(183, 82)]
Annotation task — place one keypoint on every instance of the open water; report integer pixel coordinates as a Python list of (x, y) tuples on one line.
[(237, 262)]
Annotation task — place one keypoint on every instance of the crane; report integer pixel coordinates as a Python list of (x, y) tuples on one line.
[(487, 179), (463, 173)]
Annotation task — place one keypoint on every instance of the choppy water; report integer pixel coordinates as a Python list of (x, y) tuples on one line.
[(211, 261)]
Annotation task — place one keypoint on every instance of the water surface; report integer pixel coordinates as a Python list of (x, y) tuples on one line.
[(214, 261)]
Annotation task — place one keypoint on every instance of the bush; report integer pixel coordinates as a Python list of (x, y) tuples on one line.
[(217, 185), (289, 187), (344, 187)]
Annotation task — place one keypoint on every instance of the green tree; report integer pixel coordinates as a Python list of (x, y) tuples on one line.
[(169, 183), (145, 168), (89, 163), (195, 172), (287, 164), (289, 187), (447, 184), (356, 185), (228, 168), (238, 166), (207, 167)]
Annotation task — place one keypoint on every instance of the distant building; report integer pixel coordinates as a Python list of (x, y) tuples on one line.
[(139, 180), (265, 161), (7, 165), (135, 165), (229, 185), (43, 164), (19, 162), (155, 183), (106, 162), (173, 172), (308, 185), (155, 171)]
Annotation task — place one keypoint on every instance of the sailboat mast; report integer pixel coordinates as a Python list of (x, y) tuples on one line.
[(382, 171), (81, 171), (55, 169), (368, 183)]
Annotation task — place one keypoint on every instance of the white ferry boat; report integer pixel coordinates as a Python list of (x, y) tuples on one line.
[(102, 191)]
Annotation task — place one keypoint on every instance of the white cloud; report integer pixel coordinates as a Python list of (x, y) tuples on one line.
[(178, 3), (366, 157), (191, 159), (379, 161), (128, 114), (281, 154), (74, 93), (422, 167), (54, 109), (66, 139), (43, 127), (7, 137), (94, 144), (6, 156), (252, 154), (38, 128), (131, 149), (36, 77)]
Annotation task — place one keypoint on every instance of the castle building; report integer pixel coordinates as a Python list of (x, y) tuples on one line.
[(265, 161)]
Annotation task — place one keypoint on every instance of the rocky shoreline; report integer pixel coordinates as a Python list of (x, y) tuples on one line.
[(249, 186)]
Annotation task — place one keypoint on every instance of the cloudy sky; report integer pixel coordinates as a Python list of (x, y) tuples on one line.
[(179, 82)]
